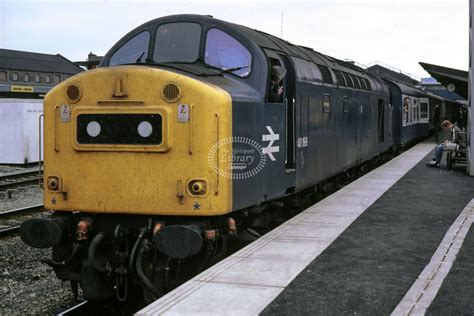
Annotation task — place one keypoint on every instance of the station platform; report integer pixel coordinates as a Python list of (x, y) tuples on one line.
[(395, 241)]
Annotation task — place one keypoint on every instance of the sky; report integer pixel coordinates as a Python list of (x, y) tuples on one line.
[(398, 33)]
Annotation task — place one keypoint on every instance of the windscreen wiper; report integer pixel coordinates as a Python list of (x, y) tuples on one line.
[(139, 59), (228, 70), (175, 66)]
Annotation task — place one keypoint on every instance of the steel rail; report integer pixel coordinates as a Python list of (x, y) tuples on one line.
[(9, 231), (16, 174), (22, 210), (79, 309), (18, 183), (14, 229)]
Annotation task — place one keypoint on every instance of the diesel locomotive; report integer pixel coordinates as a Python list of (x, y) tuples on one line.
[(171, 148)]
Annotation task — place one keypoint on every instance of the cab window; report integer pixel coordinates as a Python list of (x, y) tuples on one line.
[(225, 52), (133, 51), (177, 42)]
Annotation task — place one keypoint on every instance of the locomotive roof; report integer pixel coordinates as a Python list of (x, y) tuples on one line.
[(265, 40), (268, 41)]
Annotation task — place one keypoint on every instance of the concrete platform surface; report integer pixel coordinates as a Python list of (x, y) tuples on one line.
[(359, 250)]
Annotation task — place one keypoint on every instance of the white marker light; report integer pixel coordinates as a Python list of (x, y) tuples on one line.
[(93, 129), (145, 129)]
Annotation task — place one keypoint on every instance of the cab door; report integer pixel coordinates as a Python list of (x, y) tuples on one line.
[(278, 132)]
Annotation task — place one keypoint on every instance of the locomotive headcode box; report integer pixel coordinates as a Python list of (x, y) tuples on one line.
[(19, 130)]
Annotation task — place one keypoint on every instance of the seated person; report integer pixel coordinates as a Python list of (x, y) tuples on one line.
[(449, 144), (276, 90)]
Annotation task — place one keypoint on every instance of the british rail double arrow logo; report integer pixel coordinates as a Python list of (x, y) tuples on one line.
[(271, 138)]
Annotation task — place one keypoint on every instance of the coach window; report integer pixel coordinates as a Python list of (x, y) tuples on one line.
[(225, 52), (26, 77), (37, 78), (3, 76), (177, 42), (423, 110), (14, 76), (327, 103), (134, 51), (406, 110), (47, 79), (57, 78)]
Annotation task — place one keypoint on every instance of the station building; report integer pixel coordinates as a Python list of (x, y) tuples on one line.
[(31, 75), (25, 78)]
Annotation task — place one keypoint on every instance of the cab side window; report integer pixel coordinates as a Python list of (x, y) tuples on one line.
[(276, 81)]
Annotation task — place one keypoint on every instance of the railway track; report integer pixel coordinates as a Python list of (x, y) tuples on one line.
[(82, 308), (98, 308), (18, 178), (6, 230)]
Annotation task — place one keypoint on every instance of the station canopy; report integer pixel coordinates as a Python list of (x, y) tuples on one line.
[(454, 80)]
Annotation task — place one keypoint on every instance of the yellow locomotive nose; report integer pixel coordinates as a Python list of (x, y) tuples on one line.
[(134, 139)]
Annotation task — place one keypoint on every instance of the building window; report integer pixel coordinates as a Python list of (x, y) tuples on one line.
[(26, 77), (47, 79), (3, 76), (14, 76), (37, 78), (57, 78), (327, 103)]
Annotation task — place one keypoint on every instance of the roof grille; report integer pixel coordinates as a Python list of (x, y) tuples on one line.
[(340, 79), (348, 79), (327, 78)]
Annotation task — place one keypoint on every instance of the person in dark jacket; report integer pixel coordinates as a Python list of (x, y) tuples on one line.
[(449, 144), (276, 89)]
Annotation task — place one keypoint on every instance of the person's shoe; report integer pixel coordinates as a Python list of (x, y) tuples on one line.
[(433, 164)]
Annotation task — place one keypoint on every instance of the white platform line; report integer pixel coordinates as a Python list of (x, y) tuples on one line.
[(246, 282), (419, 297)]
